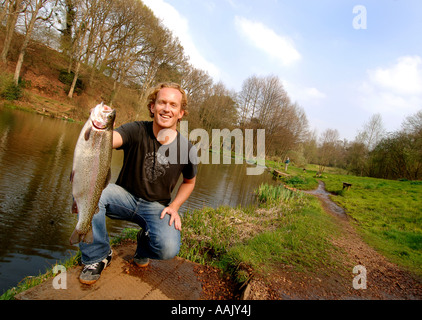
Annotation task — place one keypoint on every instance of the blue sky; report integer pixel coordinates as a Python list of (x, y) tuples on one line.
[(339, 70)]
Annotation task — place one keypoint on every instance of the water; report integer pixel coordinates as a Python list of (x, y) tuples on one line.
[(327, 203), (36, 155)]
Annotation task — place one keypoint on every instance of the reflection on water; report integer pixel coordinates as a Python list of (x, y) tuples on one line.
[(36, 155)]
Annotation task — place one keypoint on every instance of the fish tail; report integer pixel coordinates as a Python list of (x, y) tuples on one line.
[(77, 237), (89, 237)]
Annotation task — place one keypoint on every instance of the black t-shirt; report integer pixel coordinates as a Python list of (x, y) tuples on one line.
[(151, 170)]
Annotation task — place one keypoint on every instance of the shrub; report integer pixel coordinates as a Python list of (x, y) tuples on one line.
[(8, 89), (67, 78)]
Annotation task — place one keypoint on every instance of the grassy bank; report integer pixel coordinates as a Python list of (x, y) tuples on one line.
[(286, 228), (32, 281), (290, 229), (386, 213)]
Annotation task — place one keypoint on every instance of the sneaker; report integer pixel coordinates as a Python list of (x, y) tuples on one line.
[(92, 272), (142, 237), (141, 262)]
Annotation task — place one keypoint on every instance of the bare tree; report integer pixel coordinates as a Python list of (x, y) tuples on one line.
[(413, 123), (218, 111), (372, 133), (65, 19), (12, 9), (197, 84), (34, 11), (327, 150), (248, 99), (264, 103), (82, 27)]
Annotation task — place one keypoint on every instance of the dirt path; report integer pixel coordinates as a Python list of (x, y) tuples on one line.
[(162, 280), (384, 280)]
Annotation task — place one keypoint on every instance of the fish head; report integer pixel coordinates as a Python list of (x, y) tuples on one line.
[(103, 117)]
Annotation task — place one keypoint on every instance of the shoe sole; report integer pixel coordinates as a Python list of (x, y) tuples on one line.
[(89, 282), (141, 265)]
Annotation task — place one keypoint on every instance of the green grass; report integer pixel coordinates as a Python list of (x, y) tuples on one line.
[(275, 194), (286, 228), (290, 228), (302, 241), (387, 213)]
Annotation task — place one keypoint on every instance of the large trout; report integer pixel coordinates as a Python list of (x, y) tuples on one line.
[(91, 169)]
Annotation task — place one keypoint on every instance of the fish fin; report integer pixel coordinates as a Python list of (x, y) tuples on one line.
[(72, 174), (75, 237), (75, 206), (87, 133), (88, 237)]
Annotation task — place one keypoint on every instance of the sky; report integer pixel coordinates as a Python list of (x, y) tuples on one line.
[(342, 61)]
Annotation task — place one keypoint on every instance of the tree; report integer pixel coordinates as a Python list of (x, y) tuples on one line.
[(218, 110), (198, 85), (413, 123), (397, 156), (248, 99), (357, 158), (264, 103), (33, 12), (372, 132), (12, 9), (310, 147), (66, 19), (327, 150)]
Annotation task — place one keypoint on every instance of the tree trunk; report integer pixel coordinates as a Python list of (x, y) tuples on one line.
[(10, 28), (75, 78)]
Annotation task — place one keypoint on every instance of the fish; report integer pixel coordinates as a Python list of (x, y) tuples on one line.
[(91, 170)]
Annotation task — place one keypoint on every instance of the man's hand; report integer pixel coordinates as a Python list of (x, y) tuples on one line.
[(182, 195), (174, 217)]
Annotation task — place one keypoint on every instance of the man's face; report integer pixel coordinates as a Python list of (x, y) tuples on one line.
[(167, 108)]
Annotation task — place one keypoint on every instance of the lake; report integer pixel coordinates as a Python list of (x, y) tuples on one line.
[(36, 154)]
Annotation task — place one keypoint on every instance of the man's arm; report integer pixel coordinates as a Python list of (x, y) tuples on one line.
[(117, 140), (182, 195)]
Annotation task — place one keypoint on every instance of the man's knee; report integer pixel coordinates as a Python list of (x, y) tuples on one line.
[(166, 248), (170, 250)]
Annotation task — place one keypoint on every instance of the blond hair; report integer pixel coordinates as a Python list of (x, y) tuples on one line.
[(152, 97)]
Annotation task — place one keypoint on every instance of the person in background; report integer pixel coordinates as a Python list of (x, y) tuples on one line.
[(286, 163)]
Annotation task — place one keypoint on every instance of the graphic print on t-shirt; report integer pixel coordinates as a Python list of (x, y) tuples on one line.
[(155, 166)]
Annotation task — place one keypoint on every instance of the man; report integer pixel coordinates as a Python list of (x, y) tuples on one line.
[(286, 163), (142, 192)]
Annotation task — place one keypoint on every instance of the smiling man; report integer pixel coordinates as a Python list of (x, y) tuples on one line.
[(142, 193)]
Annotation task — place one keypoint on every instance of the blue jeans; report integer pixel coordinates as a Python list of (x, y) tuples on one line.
[(163, 242)]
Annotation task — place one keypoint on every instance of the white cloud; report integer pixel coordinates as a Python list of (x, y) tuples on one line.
[(394, 90), (179, 26), (404, 78), (279, 47), (303, 94), (314, 93)]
